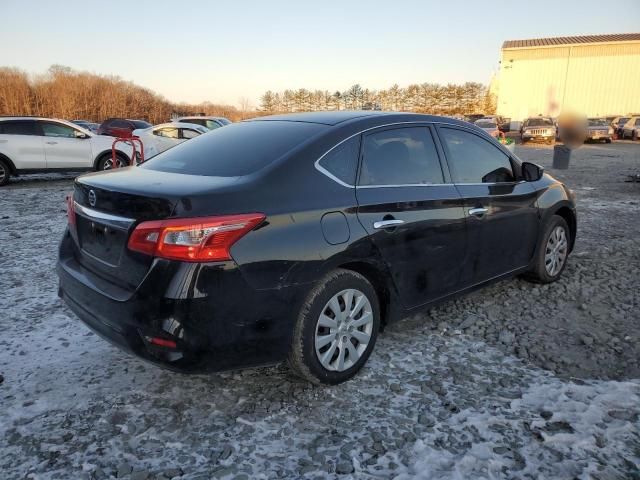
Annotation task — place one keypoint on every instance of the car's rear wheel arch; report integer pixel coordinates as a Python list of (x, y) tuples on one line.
[(378, 280)]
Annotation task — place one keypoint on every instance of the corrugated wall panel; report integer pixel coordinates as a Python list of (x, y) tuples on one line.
[(596, 80)]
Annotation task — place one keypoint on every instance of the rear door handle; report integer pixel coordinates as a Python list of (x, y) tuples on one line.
[(478, 212), (387, 224)]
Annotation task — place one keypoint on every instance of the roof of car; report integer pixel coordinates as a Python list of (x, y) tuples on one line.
[(205, 117), (337, 117)]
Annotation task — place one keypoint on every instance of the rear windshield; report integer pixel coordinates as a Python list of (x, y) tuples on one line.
[(236, 150), (539, 122), (598, 122), (486, 124), (140, 124)]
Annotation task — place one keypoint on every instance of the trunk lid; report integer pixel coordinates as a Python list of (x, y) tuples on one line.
[(108, 207)]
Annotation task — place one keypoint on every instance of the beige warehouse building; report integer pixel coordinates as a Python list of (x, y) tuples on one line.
[(596, 75)]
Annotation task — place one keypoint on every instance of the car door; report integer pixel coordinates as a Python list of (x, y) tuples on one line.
[(413, 214), (21, 143), (65, 146), (501, 210)]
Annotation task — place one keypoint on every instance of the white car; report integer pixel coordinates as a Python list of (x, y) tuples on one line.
[(631, 129), (210, 122), (36, 145), (162, 137)]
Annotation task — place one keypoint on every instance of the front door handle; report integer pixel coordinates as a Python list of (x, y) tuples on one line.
[(387, 224), (52, 143), (478, 212)]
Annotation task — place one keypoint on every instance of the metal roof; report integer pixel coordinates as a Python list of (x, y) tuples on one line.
[(558, 41)]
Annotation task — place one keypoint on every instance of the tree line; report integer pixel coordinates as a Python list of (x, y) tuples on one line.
[(432, 98), (69, 94)]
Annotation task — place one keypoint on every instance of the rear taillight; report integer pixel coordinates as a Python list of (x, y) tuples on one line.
[(203, 239), (71, 211)]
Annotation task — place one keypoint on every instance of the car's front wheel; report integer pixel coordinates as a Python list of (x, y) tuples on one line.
[(553, 253), (106, 162), (5, 173), (336, 328)]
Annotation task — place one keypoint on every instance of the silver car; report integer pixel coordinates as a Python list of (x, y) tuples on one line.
[(598, 130), (538, 128)]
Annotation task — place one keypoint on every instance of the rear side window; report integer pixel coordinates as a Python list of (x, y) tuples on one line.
[(239, 149), (403, 156), (18, 127), (342, 161), (474, 159)]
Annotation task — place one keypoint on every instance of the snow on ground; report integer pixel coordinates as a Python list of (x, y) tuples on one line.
[(431, 403)]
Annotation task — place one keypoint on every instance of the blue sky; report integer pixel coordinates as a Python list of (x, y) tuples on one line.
[(221, 51)]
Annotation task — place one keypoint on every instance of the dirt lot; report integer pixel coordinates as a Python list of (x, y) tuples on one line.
[(514, 381)]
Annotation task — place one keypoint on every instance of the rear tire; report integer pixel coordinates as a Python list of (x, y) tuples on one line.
[(5, 173), (336, 329), (553, 252)]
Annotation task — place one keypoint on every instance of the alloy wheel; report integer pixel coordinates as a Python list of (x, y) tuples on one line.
[(108, 164), (556, 251), (343, 330), (3, 173)]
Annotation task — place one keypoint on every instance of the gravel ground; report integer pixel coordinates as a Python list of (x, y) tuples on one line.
[(514, 381)]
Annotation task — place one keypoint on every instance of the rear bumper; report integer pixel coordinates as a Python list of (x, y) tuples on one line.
[(217, 321)]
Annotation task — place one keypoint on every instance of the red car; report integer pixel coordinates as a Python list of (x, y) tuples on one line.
[(121, 127)]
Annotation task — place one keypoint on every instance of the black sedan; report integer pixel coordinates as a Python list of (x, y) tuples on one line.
[(300, 236)]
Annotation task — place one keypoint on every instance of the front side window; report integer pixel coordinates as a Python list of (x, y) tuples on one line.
[(474, 159), (58, 130), (188, 133), (342, 161), (403, 156), (18, 127), (167, 132)]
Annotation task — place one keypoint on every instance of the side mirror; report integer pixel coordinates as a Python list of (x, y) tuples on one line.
[(531, 172), (80, 135)]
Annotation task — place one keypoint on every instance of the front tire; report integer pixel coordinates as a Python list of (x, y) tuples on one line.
[(553, 252), (106, 162), (634, 136), (336, 329), (5, 173)]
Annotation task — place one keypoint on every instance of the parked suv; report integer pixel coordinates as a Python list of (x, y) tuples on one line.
[(538, 129), (120, 127), (302, 237), (209, 122), (35, 145)]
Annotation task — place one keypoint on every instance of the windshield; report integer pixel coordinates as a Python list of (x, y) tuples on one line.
[(236, 150), (598, 122), (486, 124), (539, 122), (623, 120)]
